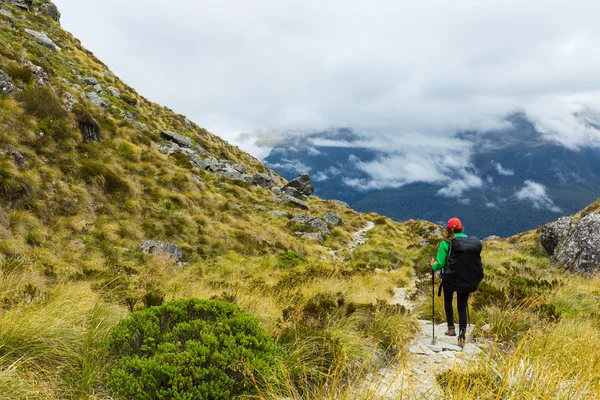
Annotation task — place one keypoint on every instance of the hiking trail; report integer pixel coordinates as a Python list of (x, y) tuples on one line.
[(414, 377)]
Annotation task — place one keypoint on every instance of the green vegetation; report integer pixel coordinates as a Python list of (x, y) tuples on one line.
[(190, 349)]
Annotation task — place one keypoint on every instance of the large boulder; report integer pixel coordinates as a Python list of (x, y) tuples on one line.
[(340, 203), (579, 251), (6, 85), (263, 180), (552, 233), (181, 140), (22, 4), (94, 98), (42, 39), (167, 250), (49, 8), (285, 199), (333, 219), (302, 185), (309, 223)]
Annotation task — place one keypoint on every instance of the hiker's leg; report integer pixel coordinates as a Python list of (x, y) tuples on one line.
[(448, 294), (462, 301)]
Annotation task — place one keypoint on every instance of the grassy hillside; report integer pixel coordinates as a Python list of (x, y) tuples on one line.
[(73, 214)]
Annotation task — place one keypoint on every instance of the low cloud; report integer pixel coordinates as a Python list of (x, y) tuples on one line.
[(503, 171), (291, 166), (320, 177), (535, 194)]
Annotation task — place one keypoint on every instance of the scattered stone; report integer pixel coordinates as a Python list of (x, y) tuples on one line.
[(180, 140), (114, 92), (418, 348), (88, 126), (292, 191), (277, 213), (52, 11), (98, 89), (450, 347), (492, 238), (285, 199), (167, 250), (434, 348), (263, 180), (16, 155), (22, 4), (94, 98), (6, 85), (552, 233), (310, 222), (333, 219), (90, 81), (41, 77), (579, 251), (6, 13), (340, 203), (302, 184), (108, 74), (42, 39), (197, 179), (317, 237)]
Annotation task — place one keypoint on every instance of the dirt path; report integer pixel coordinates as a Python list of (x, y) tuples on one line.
[(416, 377), (359, 238)]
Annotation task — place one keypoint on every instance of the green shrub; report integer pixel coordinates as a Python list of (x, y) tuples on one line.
[(290, 259), (41, 103), (19, 73), (188, 349)]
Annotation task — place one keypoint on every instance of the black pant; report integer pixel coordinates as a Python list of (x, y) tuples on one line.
[(463, 299)]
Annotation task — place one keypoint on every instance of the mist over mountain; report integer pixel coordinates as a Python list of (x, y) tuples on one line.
[(500, 181)]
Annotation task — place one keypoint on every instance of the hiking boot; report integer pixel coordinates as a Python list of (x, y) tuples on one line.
[(450, 332), (461, 342)]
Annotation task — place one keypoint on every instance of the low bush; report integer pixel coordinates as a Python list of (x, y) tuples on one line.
[(41, 103), (19, 73), (188, 349), (289, 259)]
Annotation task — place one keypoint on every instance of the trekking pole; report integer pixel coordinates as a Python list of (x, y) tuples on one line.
[(432, 306)]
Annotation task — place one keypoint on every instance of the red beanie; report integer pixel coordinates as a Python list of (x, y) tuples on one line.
[(454, 223)]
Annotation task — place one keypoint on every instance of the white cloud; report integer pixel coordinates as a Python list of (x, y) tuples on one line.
[(243, 66), (503, 171), (535, 194), (465, 202), (291, 165), (490, 205), (320, 177)]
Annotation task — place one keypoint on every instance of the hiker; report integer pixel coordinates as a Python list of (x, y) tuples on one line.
[(459, 259)]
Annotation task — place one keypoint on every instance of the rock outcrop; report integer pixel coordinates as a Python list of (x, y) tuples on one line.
[(6, 85), (42, 39), (552, 233), (167, 250), (309, 224), (340, 203), (285, 199), (333, 219), (180, 140), (22, 4), (94, 98), (52, 11), (579, 251), (300, 188)]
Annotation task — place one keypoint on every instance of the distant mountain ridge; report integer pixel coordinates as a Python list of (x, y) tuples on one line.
[(515, 164)]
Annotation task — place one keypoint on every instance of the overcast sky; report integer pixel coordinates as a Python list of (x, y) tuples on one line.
[(398, 67)]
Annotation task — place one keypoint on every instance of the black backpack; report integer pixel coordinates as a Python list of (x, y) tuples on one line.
[(464, 271)]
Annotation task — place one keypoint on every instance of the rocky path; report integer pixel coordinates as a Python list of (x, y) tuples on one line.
[(359, 238), (415, 377)]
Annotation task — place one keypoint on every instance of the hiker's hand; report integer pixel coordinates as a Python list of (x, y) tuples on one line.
[(432, 262)]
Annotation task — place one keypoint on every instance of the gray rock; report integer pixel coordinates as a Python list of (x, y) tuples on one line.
[(285, 199), (42, 39), (579, 251), (194, 158), (309, 222), (197, 179), (435, 348), (52, 11), (277, 213), (291, 191), (90, 81), (340, 203), (450, 347), (108, 74), (167, 250), (210, 164), (6, 85), (88, 126), (94, 98), (16, 155), (41, 77), (263, 180), (181, 140), (317, 237), (492, 238), (302, 185), (552, 233), (98, 89), (22, 4), (6, 13), (333, 219), (114, 92)]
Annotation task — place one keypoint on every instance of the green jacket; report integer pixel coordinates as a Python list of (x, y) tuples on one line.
[(441, 260)]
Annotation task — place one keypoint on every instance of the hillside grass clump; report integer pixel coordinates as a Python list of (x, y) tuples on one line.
[(189, 349)]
